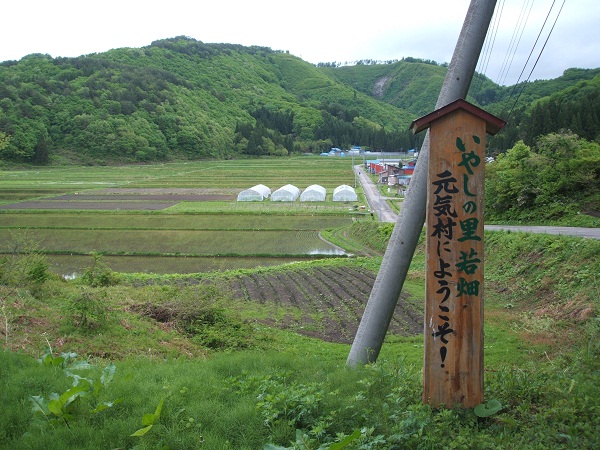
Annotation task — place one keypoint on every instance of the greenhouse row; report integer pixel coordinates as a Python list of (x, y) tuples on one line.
[(290, 193)]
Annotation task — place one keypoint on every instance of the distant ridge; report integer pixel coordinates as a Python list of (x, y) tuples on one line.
[(180, 98)]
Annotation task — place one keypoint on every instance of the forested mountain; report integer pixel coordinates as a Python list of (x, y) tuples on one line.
[(181, 98), (576, 108), (569, 102)]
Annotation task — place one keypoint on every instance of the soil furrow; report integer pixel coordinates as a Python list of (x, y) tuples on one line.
[(254, 289), (281, 294), (297, 297), (336, 287), (237, 289), (357, 279), (331, 302), (269, 294)]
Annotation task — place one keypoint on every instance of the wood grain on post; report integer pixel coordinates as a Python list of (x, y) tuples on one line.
[(453, 331)]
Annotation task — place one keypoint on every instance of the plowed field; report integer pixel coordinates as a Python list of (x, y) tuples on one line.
[(325, 302), (125, 199)]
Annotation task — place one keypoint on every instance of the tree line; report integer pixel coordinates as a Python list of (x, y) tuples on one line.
[(181, 98), (558, 176), (340, 127)]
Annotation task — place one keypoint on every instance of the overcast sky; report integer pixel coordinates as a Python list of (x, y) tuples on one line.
[(314, 30)]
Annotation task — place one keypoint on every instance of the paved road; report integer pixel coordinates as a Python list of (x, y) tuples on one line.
[(380, 206), (593, 233), (377, 203)]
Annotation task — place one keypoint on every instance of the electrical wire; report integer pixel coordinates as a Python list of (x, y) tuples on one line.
[(540, 54), (514, 41), (518, 41), (533, 47), (491, 38), (488, 46)]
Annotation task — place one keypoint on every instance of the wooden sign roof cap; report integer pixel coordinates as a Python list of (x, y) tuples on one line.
[(493, 123)]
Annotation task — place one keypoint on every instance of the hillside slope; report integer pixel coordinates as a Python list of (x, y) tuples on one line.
[(570, 101), (413, 86), (181, 98)]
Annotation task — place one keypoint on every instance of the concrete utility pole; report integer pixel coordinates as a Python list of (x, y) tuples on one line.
[(403, 241)]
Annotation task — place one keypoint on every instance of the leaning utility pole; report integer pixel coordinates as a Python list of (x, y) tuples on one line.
[(403, 241)]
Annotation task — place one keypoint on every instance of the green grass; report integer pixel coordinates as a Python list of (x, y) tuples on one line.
[(107, 220), (276, 243), (240, 174), (247, 399), (271, 208), (230, 382), (76, 264), (160, 238)]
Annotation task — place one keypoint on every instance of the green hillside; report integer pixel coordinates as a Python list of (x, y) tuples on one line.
[(179, 98), (410, 84), (576, 108), (569, 102)]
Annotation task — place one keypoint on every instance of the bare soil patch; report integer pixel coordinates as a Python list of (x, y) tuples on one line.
[(93, 205), (135, 199), (331, 301)]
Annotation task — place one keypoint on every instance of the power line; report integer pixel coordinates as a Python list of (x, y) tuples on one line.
[(514, 41), (495, 28), (540, 54), (490, 39), (503, 80), (533, 47)]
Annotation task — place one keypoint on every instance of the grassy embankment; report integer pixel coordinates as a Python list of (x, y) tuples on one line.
[(224, 380), (541, 364)]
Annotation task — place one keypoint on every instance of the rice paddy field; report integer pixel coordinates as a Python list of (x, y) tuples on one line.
[(329, 172), (173, 218)]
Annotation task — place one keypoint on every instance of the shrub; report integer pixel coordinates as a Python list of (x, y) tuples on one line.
[(203, 320), (89, 309), (99, 274), (25, 266)]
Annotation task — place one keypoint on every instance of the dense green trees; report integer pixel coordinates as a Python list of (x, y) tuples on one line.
[(559, 175), (576, 109), (569, 102), (91, 107), (181, 98), (177, 98), (3, 140)]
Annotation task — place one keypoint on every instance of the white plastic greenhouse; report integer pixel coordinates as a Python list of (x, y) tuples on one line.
[(344, 193), (287, 193), (255, 194), (313, 193)]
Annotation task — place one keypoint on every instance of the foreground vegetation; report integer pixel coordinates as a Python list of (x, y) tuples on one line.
[(212, 376), (255, 358)]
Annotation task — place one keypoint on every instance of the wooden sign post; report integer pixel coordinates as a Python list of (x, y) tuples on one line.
[(453, 331)]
